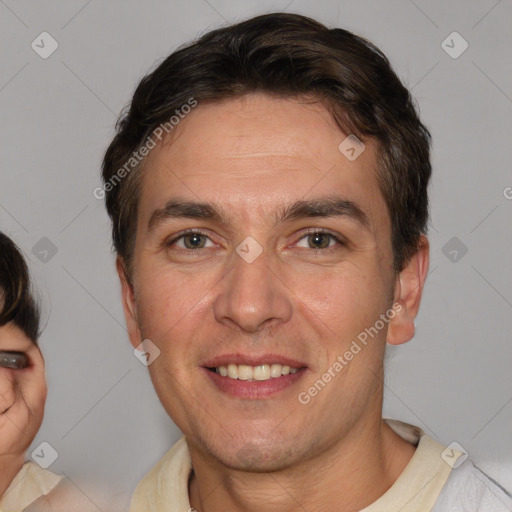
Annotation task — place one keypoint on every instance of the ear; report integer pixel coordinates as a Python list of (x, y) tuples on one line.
[(407, 297), (129, 305)]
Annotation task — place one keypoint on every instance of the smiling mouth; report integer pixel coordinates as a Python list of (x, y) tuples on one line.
[(253, 373)]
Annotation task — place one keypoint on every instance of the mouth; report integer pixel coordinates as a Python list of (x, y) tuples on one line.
[(253, 377), (253, 373)]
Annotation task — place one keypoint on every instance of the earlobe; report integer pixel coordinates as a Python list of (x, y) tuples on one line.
[(408, 291), (129, 305)]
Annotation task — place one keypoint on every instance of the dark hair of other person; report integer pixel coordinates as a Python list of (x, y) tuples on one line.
[(17, 304), (286, 56)]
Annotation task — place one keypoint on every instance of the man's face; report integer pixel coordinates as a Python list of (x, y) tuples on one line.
[(300, 303)]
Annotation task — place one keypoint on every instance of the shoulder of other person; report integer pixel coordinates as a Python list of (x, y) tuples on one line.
[(469, 489)]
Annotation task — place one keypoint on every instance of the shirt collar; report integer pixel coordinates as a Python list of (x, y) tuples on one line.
[(165, 487)]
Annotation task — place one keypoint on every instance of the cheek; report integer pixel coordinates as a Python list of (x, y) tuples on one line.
[(345, 302), (7, 387), (168, 305)]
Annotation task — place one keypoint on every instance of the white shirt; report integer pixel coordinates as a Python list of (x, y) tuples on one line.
[(427, 484), (30, 483), (468, 489)]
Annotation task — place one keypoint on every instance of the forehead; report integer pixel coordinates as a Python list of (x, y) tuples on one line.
[(13, 338), (256, 153)]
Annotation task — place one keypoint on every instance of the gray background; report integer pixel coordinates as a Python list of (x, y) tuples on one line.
[(102, 415)]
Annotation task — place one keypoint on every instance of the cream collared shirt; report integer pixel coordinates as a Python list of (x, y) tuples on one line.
[(28, 485), (165, 487)]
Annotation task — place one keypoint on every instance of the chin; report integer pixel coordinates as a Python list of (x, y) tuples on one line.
[(249, 454), (254, 459)]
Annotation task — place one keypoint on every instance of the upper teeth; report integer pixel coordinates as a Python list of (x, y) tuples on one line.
[(260, 372)]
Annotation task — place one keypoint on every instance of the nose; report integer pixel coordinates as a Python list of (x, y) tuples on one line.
[(253, 296)]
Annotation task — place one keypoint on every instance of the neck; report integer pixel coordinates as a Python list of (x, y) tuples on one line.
[(9, 468), (348, 476)]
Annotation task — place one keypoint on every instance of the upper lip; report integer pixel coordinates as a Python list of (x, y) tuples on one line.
[(252, 360)]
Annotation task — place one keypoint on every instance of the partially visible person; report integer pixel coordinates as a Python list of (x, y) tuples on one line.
[(25, 485), (22, 384)]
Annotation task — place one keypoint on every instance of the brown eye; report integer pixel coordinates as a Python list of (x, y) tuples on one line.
[(318, 240), (194, 241), (191, 240)]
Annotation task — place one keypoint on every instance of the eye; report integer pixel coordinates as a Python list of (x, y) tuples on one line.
[(319, 240), (191, 239), (196, 239)]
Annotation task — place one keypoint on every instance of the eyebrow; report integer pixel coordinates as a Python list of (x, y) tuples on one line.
[(331, 206)]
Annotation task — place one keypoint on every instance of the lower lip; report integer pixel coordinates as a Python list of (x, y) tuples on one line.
[(254, 389)]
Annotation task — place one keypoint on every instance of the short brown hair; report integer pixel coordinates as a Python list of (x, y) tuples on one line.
[(285, 55), (17, 304)]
